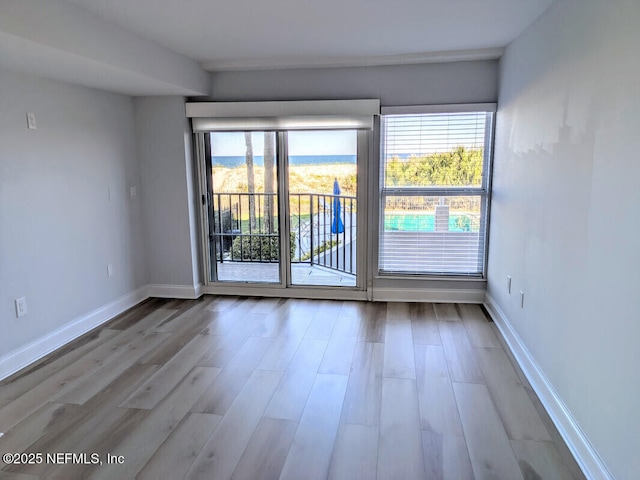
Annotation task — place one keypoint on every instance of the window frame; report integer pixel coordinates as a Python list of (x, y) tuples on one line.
[(483, 190)]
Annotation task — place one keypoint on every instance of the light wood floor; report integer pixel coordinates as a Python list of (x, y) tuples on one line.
[(245, 388)]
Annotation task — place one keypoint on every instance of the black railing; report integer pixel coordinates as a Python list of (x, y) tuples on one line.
[(314, 218), (323, 229), (241, 232)]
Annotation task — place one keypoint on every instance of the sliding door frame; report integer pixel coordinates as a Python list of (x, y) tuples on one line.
[(202, 149), (284, 219), (285, 288)]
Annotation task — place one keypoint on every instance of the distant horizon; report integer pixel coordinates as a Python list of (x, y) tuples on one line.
[(290, 156), (258, 160), (317, 142)]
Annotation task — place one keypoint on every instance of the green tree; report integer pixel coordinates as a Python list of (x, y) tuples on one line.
[(458, 167)]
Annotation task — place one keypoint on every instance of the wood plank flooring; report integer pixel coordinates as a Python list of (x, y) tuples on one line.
[(249, 388)]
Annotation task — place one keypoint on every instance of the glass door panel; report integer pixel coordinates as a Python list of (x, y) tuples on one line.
[(322, 190), (242, 181)]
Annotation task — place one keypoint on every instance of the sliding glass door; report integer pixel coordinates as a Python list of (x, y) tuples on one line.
[(322, 190), (281, 207), (244, 234)]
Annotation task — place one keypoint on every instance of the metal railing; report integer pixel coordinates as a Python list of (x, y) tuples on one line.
[(323, 229)]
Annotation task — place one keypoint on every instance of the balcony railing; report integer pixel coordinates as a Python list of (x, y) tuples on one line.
[(314, 238)]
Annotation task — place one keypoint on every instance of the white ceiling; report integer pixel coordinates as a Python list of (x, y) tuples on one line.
[(244, 34), (163, 47)]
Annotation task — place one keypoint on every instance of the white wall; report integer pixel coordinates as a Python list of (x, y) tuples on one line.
[(55, 39), (421, 84), (565, 213), (431, 83), (168, 192), (58, 227)]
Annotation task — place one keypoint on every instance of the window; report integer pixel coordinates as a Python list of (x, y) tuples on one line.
[(434, 183), (281, 186)]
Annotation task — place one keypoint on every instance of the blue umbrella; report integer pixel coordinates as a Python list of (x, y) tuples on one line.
[(336, 224)]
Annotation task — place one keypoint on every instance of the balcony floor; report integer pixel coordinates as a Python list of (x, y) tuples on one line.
[(301, 274)]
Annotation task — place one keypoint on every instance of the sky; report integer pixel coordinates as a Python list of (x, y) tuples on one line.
[(427, 134), (405, 134), (320, 142)]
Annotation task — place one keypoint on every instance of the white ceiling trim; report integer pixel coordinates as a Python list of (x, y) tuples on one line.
[(23, 55), (365, 61)]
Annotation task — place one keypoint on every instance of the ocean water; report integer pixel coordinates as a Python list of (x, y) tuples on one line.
[(258, 160)]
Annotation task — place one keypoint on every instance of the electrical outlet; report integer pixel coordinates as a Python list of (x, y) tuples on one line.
[(508, 284), (21, 307), (132, 192), (109, 270), (31, 121), (521, 299)]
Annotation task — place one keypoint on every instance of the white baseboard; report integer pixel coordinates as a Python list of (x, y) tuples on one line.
[(14, 361), (436, 295), (23, 356), (585, 454), (174, 291), (264, 290)]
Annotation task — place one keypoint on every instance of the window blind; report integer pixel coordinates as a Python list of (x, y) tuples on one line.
[(434, 192), (283, 115)]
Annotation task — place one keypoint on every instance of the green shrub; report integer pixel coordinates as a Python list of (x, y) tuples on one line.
[(259, 248), (463, 223)]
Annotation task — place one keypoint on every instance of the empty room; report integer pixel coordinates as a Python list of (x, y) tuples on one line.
[(335, 240)]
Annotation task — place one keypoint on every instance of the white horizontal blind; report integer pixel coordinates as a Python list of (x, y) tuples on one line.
[(427, 134), (419, 235), (433, 192)]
